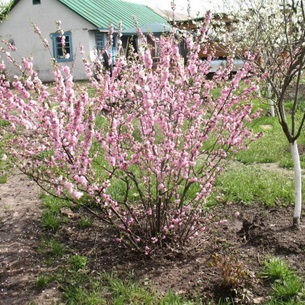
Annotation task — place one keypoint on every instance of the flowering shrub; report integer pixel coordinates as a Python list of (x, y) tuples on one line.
[(141, 146)]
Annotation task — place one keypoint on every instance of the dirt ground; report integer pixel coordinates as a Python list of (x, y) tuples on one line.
[(20, 235), (243, 241)]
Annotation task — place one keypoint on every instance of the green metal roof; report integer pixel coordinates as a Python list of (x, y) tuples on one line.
[(154, 27), (102, 13)]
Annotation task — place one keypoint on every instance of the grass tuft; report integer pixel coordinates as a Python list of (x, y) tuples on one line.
[(287, 289), (50, 221), (43, 280), (78, 262), (85, 222), (286, 285), (276, 269)]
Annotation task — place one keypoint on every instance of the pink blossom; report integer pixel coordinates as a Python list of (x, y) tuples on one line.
[(77, 195), (36, 29), (133, 144), (147, 250), (154, 240)]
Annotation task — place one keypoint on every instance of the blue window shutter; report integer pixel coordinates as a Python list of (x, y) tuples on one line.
[(61, 52), (100, 40)]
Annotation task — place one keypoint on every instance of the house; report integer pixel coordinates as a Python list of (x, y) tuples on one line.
[(219, 51), (130, 37), (157, 29), (84, 22)]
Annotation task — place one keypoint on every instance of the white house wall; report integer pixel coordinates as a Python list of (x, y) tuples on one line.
[(18, 27), (92, 52)]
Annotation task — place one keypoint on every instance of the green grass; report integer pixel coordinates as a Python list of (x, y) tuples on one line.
[(250, 184), (128, 292), (290, 302), (85, 222), (52, 247), (51, 250), (4, 167), (53, 204), (276, 269), (43, 280), (78, 262), (50, 221), (272, 147), (286, 285), (174, 299), (56, 248), (79, 287), (51, 217), (3, 179), (287, 289)]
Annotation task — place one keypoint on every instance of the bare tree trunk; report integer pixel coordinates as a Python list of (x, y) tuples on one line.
[(297, 183), (271, 101)]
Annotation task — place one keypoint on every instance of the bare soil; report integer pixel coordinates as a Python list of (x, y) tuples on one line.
[(244, 241), (20, 235)]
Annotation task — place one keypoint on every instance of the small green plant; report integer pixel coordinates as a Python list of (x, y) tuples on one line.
[(276, 269), (287, 289), (278, 302), (51, 246), (79, 286), (3, 179), (236, 278), (50, 221), (51, 218), (79, 295), (85, 222), (43, 280), (78, 261), (172, 298), (226, 301), (285, 283), (5, 163), (55, 247), (128, 292), (53, 204)]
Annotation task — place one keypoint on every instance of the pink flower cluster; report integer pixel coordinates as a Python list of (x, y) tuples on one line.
[(145, 147)]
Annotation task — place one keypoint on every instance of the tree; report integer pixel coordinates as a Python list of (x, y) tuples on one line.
[(274, 32), (139, 148), (4, 8)]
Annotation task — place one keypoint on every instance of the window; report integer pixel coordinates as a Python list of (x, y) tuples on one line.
[(62, 47), (101, 42), (36, 2)]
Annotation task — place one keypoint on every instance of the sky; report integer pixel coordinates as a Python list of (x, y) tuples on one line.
[(197, 6)]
